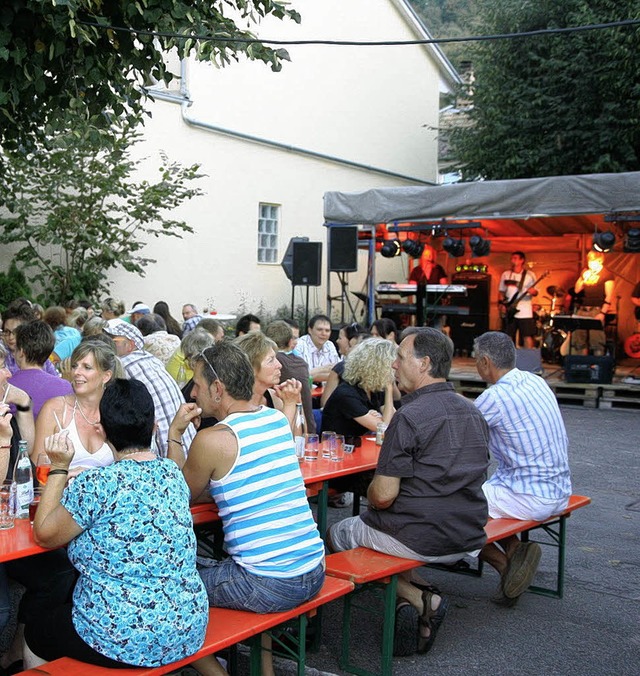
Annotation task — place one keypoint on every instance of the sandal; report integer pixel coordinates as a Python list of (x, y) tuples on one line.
[(405, 629), (426, 586), (431, 620)]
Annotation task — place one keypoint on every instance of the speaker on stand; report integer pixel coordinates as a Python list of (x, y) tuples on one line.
[(302, 263), (343, 258)]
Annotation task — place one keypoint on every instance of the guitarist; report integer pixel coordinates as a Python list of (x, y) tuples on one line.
[(515, 308)]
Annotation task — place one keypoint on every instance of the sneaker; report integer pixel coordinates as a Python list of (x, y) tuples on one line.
[(341, 500), (405, 630), (522, 569)]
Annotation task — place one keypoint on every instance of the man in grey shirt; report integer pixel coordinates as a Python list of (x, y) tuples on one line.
[(426, 500)]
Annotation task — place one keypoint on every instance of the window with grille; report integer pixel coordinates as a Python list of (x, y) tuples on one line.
[(269, 216)]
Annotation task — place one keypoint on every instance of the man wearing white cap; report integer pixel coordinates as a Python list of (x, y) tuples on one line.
[(143, 366), (137, 311)]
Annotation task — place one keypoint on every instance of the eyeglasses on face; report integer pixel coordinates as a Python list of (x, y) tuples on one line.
[(7, 332)]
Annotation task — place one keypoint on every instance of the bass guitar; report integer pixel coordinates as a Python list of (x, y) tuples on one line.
[(510, 307)]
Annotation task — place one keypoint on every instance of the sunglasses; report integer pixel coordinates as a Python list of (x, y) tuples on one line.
[(204, 356)]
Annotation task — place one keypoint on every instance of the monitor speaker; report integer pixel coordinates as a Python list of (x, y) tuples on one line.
[(588, 369), (307, 263), (343, 248)]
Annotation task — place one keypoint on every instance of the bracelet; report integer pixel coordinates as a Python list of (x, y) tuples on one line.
[(175, 441), (58, 471), (6, 446), (24, 409)]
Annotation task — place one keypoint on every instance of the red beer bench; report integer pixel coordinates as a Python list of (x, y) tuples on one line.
[(226, 628)]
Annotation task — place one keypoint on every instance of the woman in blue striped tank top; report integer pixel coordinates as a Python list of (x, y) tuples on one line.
[(247, 464)]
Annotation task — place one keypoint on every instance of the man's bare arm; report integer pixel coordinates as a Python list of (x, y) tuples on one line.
[(383, 490)]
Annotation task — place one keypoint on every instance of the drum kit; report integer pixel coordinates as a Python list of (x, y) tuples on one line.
[(551, 338)]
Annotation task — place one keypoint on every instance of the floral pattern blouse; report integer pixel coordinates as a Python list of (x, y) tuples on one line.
[(139, 599)]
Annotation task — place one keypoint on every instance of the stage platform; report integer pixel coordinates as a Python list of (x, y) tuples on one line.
[(623, 392)]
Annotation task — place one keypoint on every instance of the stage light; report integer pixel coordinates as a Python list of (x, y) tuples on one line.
[(632, 241), (454, 247), (391, 249), (603, 241), (413, 247), (479, 246)]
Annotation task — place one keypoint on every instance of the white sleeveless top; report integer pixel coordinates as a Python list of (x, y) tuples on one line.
[(82, 458)]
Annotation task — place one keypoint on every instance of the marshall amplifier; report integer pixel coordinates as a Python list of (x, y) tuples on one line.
[(464, 329), (588, 369)]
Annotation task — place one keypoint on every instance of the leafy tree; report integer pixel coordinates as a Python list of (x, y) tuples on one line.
[(60, 55), (13, 284), (553, 105), (78, 214)]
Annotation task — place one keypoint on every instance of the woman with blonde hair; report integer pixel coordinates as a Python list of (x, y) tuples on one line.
[(364, 398), (93, 364), (267, 389)]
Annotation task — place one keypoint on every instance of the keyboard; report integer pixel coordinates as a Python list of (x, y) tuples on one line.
[(410, 309), (392, 287)]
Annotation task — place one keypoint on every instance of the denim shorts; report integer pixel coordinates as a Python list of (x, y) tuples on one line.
[(229, 585)]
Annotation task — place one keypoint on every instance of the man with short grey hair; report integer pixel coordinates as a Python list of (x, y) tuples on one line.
[(425, 500), (527, 438), (191, 318)]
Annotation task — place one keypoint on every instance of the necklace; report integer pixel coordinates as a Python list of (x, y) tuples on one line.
[(126, 455), (89, 422)]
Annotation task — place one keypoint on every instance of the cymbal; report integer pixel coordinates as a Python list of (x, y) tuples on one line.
[(360, 296), (556, 291)]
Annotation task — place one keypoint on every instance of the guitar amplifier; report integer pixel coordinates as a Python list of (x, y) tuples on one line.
[(589, 369)]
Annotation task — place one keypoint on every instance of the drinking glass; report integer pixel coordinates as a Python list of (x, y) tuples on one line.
[(311, 447), (6, 508), (33, 505), (337, 452), (43, 467), (328, 441)]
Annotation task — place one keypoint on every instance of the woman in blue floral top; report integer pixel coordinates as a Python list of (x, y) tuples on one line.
[(139, 599)]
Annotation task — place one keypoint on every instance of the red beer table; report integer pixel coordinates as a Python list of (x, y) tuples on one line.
[(319, 472), (18, 541)]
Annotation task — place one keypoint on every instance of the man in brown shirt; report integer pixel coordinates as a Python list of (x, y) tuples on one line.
[(426, 500)]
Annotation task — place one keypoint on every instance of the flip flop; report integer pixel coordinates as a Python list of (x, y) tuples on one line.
[(405, 629), (431, 619)]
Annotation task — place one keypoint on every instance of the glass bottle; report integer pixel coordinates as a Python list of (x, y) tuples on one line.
[(299, 431), (23, 480)]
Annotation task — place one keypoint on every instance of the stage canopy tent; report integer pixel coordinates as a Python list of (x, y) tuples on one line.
[(533, 207)]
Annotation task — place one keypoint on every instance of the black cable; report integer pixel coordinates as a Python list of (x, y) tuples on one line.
[(375, 43)]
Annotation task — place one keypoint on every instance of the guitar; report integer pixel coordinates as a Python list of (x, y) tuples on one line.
[(510, 307)]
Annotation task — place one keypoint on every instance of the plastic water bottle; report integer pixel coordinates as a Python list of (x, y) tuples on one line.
[(23, 480), (299, 431)]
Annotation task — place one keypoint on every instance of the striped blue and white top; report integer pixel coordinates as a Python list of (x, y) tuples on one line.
[(527, 436), (267, 522)]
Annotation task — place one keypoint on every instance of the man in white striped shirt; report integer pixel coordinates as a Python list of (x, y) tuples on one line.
[(528, 439)]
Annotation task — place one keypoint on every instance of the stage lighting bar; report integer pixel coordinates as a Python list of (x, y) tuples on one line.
[(632, 241), (413, 247), (454, 247), (479, 246), (603, 241), (391, 249)]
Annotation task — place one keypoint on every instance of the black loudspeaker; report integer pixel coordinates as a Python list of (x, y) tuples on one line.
[(478, 291), (287, 261), (529, 359), (588, 369), (343, 248), (307, 262), (465, 328)]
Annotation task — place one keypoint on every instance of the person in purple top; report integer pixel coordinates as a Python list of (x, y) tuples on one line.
[(34, 343)]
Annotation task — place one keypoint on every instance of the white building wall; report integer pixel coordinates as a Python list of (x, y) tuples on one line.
[(375, 106)]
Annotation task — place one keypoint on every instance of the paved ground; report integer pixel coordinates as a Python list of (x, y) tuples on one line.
[(595, 629)]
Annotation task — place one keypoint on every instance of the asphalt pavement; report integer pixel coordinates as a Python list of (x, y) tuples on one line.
[(594, 629)]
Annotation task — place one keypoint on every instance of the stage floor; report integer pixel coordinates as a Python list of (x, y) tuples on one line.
[(622, 392)]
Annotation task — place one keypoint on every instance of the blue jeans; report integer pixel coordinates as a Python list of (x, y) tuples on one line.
[(229, 585), (5, 602)]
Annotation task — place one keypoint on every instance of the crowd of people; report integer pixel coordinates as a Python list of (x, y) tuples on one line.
[(123, 400)]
